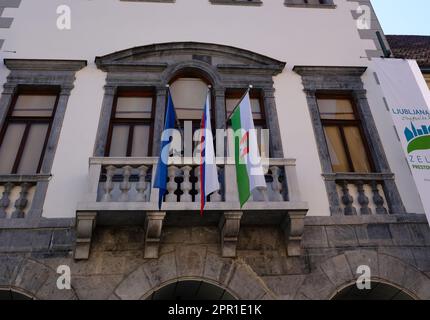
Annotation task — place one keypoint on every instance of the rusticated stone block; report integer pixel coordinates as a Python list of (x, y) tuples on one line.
[(338, 270), (391, 268), (50, 291), (315, 237), (402, 236), (31, 276), (316, 286), (218, 269), (9, 266), (161, 270), (190, 260), (422, 258), (245, 281), (374, 235), (420, 233), (358, 258), (341, 236), (285, 287), (134, 286), (95, 287)]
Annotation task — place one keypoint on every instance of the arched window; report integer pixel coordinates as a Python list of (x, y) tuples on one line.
[(189, 97)]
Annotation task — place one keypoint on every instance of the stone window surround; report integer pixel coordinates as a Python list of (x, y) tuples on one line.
[(347, 80), (36, 73), (158, 75)]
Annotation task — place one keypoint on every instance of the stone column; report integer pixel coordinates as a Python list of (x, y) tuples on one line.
[(160, 109), (6, 100), (105, 115), (276, 150)]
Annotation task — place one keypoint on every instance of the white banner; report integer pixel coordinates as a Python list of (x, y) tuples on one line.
[(408, 98)]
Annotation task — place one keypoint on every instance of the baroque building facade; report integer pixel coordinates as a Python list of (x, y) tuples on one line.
[(81, 115)]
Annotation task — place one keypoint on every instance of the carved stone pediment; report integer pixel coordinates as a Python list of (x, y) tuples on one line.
[(161, 57)]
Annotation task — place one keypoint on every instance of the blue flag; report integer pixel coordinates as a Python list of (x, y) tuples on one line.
[(160, 181)]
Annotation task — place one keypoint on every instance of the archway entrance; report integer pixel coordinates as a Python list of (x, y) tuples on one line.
[(378, 291), (9, 295), (191, 290)]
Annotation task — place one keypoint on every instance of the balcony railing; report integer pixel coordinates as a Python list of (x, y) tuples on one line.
[(121, 192), (16, 195), (361, 194)]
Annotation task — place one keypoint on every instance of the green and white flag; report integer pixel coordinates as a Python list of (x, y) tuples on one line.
[(249, 171)]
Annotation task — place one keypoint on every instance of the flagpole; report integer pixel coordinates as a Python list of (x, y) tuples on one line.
[(240, 101)]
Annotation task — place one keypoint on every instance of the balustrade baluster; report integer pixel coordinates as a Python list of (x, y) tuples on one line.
[(125, 184), (378, 200), (172, 185), (5, 200), (22, 202), (347, 200), (186, 185), (276, 185), (363, 200), (197, 184), (108, 187), (142, 185)]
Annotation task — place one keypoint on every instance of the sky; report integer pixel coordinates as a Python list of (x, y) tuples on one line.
[(404, 17)]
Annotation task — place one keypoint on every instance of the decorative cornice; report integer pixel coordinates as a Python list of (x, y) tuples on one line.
[(125, 56), (130, 66), (45, 65), (329, 71)]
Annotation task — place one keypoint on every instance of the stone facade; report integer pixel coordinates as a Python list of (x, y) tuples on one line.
[(268, 249), (396, 248)]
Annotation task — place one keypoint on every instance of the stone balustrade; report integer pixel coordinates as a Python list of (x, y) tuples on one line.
[(121, 192), (362, 194), (119, 180), (16, 195)]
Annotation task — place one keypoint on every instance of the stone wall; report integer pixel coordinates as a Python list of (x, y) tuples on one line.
[(396, 248)]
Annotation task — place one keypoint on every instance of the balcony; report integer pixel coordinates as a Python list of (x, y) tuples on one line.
[(121, 193)]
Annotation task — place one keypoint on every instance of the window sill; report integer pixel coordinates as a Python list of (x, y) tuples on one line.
[(238, 2)]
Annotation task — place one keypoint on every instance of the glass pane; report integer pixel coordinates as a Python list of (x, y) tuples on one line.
[(134, 107), (118, 147), (338, 158), (34, 106), (140, 141), (9, 147), (338, 109), (357, 149), (189, 96), (33, 149)]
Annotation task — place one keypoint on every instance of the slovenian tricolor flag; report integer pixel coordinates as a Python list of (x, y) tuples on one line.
[(249, 170), (208, 171)]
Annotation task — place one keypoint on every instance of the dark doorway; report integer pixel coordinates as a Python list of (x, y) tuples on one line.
[(9, 294), (191, 290), (378, 291)]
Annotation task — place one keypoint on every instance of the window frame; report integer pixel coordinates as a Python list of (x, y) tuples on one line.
[(131, 122), (29, 120), (340, 124)]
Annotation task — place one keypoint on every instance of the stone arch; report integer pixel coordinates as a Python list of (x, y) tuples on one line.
[(32, 278), (202, 70), (336, 273), (193, 263), (146, 296)]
